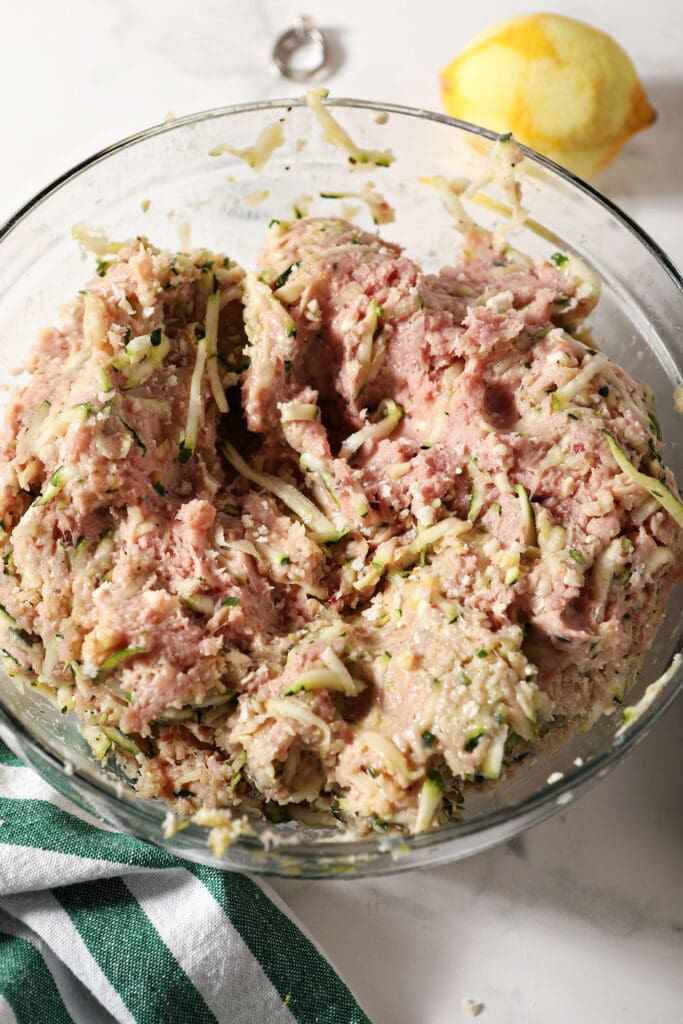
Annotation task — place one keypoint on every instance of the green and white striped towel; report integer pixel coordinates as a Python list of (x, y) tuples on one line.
[(96, 927)]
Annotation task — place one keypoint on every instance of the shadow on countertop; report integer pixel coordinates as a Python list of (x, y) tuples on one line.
[(650, 163), (593, 893)]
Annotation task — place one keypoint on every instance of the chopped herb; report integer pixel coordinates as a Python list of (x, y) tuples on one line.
[(428, 738), (184, 453), (573, 416), (483, 653), (577, 556), (285, 560), (279, 281), (272, 221), (559, 259), (472, 740), (288, 365), (505, 138), (561, 301), (155, 337), (372, 772), (159, 488), (230, 602), (136, 437), (297, 213), (527, 366), (102, 267)]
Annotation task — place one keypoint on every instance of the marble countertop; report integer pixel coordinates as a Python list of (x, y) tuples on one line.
[(581, 918)]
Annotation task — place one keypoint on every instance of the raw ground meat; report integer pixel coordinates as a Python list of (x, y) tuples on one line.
[(403, 557)]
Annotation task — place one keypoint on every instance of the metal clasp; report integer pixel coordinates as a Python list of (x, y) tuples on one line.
[(304, 36)]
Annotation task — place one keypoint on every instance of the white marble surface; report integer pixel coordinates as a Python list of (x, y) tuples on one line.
[(581, 919)]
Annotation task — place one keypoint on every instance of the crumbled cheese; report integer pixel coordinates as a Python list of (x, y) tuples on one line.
[(500, 302), (373, 612), (472, 1007)]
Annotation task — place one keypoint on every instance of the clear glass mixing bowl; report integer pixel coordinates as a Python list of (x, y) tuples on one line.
[(163, 183)]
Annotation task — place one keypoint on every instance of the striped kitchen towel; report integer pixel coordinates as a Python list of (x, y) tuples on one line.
[(97, 927)]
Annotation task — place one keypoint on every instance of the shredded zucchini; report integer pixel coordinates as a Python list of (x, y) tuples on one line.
[(336, 136), (211, 334), (528, 518), (391, 414), (493, 759), (97, 740), (116, 659), (295, 412), (140, 358), (188, 442), (309, 514), (452, 203), (631, 714), (431, 795), (660, 492), (364, 350), (435, 533), (56, 485), (394, 760), (257, 155), (120, 739), (561, 398), (476, 502), (335, 676), (285, 708)]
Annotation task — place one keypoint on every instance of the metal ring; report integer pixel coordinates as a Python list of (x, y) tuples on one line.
[(305, 34)]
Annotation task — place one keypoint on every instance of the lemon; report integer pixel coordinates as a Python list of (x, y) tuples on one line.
[(561, 86)]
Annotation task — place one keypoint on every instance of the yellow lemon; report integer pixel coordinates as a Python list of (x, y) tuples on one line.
[(561, 86)]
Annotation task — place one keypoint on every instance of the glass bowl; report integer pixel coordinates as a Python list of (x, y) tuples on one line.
[(164, 183)]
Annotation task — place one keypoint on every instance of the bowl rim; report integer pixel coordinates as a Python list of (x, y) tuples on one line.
[(213, 113), (377, 849)]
